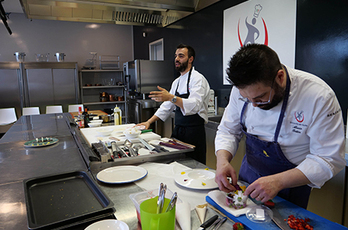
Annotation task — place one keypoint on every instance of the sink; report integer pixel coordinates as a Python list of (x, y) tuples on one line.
[(216, 119)]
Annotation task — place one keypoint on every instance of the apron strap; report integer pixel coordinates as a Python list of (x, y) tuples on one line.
[(285, 103)]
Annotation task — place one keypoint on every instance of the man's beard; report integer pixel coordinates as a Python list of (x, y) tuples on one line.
[(182, 67), (277, 97)]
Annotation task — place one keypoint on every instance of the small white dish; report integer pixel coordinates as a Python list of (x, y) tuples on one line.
[(259, 214), (105, 131), (108, 224), (94, 124)]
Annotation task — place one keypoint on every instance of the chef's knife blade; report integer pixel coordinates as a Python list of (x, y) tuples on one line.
[(207, 223), (279, 220)]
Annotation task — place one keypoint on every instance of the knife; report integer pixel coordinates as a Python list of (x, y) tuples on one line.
[(279, 220), (207, 223), (220, 223)]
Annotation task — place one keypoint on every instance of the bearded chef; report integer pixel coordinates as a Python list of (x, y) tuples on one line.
[(293, 126), (188, 96)]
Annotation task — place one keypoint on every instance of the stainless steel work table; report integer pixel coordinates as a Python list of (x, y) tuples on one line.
[(71, 153)]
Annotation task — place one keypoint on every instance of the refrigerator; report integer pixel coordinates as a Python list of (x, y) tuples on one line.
[(142, 77), (31, 84)]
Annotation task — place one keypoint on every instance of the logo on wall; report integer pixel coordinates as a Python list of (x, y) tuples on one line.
[(299, 116), (253, 32)]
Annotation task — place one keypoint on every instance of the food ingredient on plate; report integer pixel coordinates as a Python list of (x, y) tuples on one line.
[(238, 226), (298, 223)]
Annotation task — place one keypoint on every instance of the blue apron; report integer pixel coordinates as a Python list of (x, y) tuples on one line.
[(190, 129), (265, 158)]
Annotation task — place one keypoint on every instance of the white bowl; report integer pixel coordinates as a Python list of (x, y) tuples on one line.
[(94, 124), (96, 121), (132, 136), (132, 133), (105, 131), (108, 224)]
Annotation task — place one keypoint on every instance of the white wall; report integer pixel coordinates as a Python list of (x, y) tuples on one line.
[(72, 38)]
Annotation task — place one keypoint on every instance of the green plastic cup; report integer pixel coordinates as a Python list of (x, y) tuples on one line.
[(150, 220)]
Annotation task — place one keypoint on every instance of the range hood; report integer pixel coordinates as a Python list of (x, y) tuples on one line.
[(128, 12)]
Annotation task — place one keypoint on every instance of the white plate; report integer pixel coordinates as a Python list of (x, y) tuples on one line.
[(197, 179), (108, 224), (121, 174)]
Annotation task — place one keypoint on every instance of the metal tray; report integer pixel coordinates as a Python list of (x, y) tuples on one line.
[(64, 200)]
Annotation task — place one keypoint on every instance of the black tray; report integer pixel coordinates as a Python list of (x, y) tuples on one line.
[(64, 200)]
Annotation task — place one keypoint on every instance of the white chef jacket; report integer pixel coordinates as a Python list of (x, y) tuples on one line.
[(312, 132), (197, 102)]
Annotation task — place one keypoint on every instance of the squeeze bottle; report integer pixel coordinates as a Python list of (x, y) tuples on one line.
[(117, 116)]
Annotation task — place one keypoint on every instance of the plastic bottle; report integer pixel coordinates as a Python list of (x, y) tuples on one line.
[(117, 116)]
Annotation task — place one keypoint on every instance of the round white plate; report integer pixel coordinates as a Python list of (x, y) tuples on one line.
[(121, 174), (108, 224), (197, 179)]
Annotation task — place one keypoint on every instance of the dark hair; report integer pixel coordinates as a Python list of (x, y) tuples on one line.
[(252, 64), (190, 50)]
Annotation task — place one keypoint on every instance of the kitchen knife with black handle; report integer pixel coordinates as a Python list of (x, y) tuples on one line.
[(209, 222)]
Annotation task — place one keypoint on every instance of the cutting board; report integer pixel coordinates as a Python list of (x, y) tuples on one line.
[(92, 135), (285, 208)]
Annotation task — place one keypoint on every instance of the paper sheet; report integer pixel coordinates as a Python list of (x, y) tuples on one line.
[(165, 173)]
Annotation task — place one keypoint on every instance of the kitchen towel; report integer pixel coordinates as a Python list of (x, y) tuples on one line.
[(219, 197)]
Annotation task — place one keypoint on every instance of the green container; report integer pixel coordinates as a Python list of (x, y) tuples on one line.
[(152, 221)]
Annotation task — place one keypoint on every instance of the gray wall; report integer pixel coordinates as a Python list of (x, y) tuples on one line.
[(72, 38)]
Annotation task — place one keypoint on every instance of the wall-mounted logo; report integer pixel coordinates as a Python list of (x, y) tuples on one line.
[(299, 116), (253, 33)]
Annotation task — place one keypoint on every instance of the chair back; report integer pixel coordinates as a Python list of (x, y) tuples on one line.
[(7, 116), (30, 111), (54, 109), (75, 108)]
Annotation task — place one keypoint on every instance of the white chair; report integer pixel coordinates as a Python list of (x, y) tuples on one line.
[(54, 109), (30, 111), (7, 116), (75, 108)]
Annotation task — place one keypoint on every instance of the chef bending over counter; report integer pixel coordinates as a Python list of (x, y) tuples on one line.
[(293, 126)]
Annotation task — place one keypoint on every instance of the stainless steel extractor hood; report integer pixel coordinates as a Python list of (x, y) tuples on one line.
[(130, 12)]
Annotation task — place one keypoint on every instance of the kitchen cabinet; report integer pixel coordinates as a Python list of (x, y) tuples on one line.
[(103, 90)]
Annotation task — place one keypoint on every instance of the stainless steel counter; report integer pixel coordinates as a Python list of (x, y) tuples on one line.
[(18, 163)]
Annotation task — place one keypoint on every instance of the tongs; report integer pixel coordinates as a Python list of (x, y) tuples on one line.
[(147, 145), (161, 195)]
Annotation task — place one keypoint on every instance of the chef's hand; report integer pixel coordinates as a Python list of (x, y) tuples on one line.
[(223, 170), (264, 188), (162, 95), (146, 124)]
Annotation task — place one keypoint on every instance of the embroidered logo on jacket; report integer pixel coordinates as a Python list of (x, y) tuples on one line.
[(299, 116)]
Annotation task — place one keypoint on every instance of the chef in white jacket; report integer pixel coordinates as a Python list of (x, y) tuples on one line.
[(293, 125), (189, 96)]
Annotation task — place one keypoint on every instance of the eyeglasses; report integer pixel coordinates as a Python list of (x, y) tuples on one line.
[(258, 102)]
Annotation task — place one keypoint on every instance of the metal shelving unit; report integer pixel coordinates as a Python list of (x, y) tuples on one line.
[(94, 82)]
